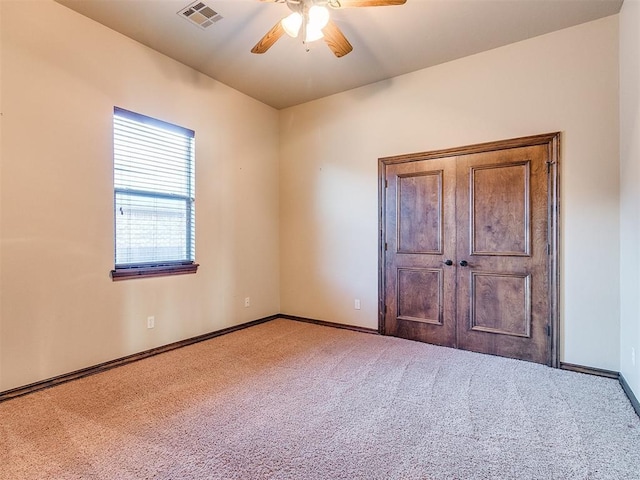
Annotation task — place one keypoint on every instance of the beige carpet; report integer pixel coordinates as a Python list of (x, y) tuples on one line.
[(288, 400)]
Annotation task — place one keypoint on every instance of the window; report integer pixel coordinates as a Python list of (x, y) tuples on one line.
[(153, 177)]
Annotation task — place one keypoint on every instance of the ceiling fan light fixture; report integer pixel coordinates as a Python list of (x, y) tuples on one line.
[(318, 17), (313, 34), (292, 24)]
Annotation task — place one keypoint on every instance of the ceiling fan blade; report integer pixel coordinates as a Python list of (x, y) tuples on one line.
[(269, 39), (336, 40), (368, 3)]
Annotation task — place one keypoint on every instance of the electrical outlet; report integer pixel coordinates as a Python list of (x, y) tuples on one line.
[(247, 301), (151, 322), (633, 356), (356, 304)]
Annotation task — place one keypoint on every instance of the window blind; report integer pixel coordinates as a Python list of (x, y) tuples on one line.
[(153, 191)]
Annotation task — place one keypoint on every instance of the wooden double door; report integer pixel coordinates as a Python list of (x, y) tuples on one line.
[(469, 248)]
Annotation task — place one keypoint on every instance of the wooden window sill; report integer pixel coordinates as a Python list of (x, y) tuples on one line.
[(152, 271)]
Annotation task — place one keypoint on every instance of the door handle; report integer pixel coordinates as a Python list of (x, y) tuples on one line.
[(448, 262), (464, 263)]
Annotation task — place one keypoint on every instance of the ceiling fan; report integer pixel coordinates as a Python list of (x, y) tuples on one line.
[(311, 21)]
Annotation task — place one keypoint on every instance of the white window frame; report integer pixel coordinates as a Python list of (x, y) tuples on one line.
[(180, 258)]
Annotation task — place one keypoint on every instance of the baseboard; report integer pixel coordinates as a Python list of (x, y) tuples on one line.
[(600, 372), (632, 398), (329, 324), (85, 372)]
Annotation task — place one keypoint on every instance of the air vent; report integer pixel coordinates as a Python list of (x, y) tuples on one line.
[(200, 14)]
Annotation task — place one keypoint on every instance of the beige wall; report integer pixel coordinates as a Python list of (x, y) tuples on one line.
[(61, 76), (1, 124), (630, 192), (565, 81)]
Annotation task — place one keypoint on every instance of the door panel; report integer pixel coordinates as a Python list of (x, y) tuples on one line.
[(420, 201), (500, 303), (420, 212), (500, 209), (502, 292), (420, 295)]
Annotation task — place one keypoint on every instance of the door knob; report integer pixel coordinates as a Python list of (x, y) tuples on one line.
[(463, 263), (448, 262)]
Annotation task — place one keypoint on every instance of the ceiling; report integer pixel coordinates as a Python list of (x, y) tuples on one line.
[(387, 41)]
